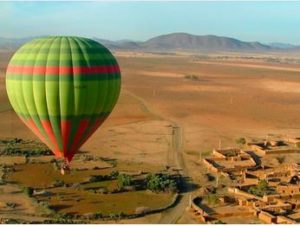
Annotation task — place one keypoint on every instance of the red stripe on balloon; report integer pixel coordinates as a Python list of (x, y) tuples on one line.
[(32, 126), (30, 123), (92, 130), (63, 70), (75, 145), (48, 128), (65, 134)]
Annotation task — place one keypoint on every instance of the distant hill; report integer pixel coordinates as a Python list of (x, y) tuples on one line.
[(123, 44), (282, 45), (179, 41), (186, 41)]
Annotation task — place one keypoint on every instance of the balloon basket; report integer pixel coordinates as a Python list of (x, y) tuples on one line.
[(65, 168)]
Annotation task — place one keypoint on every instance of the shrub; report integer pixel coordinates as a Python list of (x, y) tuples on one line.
[(114, 174), (58, 183), (212, 199), (12, 221), (28, 191), (97, 178), (241, 140), (98, 215), (161, 182), (260, 189), (11, 205), (280, 159), (124, 180), (191, 77)]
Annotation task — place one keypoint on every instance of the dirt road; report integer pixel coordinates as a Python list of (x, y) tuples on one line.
[(172, 215), (175, 159)]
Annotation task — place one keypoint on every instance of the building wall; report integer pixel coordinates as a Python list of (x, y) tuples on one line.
[(288, 189), (266, 217), (285, 220)]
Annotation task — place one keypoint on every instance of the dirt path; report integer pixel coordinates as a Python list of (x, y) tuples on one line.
[(175, 159), (172, 215)]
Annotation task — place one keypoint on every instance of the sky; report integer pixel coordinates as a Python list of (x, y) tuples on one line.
[(248, 21)]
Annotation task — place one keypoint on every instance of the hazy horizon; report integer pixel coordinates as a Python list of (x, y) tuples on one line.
[(265, 22)]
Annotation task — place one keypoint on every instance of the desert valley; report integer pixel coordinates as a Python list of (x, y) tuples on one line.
[(176, 110)]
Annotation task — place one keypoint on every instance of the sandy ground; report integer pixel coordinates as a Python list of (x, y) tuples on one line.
[(256, 65), (225, 103), (229, 100)]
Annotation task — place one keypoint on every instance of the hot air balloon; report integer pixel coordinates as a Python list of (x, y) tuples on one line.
[(63, 88)]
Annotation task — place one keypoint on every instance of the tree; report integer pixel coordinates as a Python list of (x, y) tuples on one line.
[(161, 182), (124, 180), (153, 182), (262, 185), (28, 191), (260, 189), (114, 174)]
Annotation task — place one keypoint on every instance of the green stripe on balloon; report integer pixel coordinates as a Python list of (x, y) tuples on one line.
[(65, 78), (63, 117), (64, 56), (61, 49), (17, 62)]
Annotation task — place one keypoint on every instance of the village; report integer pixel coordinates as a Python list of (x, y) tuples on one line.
[(256, 182)]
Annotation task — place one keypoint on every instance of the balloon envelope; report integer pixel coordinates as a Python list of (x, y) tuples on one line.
[(63, 88)]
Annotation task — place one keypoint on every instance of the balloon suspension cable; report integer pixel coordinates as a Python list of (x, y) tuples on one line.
[(65, 167)]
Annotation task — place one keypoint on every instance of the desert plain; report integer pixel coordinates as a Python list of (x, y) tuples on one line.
[(173, 109)]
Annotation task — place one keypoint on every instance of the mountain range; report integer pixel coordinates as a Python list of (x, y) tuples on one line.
[(179, 41)]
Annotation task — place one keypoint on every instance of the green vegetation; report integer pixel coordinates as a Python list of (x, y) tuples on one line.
[(112, 162), (114, 174), (27, 152), (11, 141), (280, 159), (58, 183), (205, 153), (124, 180), (28, 191), (211, 199), (62, 221), (218, 222), (260, 189), (298, 145), (19, 147), (13, 221), (192, 77), (98, 215), (94, 190), (241, 141), (161, 182), (97, 178)]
